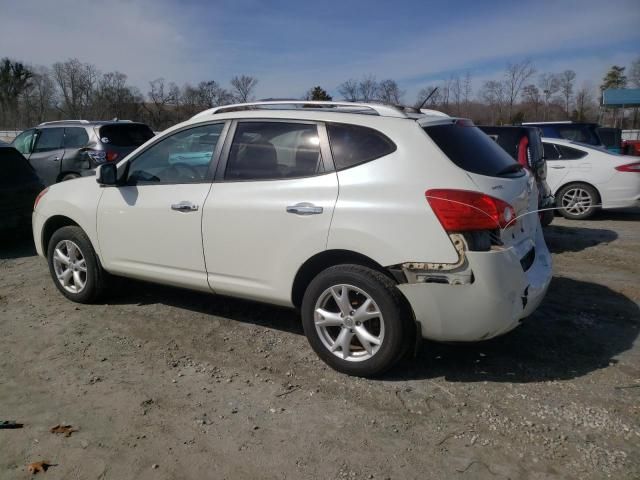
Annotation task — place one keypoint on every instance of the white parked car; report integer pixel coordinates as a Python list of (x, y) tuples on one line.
[(379, 225), (585, 178)]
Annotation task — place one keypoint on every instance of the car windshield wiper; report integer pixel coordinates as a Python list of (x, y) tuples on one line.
[(513, 168)]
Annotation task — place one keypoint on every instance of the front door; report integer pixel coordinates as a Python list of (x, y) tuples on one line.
[(48, 151), (150, 228), (270, 208)]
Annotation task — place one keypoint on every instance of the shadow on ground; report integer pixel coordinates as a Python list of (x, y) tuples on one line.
[(579, 328), (16, 245), (561, 238)]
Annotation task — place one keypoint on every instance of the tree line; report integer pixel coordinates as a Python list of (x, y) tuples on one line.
[(76, 90)]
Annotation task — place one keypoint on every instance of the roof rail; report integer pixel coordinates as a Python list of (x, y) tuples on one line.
[(342, 107), (54, 122)]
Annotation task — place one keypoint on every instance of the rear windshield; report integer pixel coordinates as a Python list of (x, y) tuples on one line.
[(470, 149), (125, 135)]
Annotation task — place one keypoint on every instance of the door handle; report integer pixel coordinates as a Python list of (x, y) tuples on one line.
[(557, 167), (304, 208), (184, 206)]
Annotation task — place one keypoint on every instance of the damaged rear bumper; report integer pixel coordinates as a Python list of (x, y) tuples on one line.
[(501, 294)]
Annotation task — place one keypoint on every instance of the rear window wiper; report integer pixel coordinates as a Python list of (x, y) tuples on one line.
[(513, 168)]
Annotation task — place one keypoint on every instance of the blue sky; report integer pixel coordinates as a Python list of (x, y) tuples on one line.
[(292, 45)]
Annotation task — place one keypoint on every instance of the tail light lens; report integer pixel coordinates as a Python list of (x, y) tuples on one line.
[(40, 195), (112, 156), (464, 210), (630, 167)]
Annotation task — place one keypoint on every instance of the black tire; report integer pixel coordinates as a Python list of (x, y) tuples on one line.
[(69, 176), (399, 329), (95, 277), (592, 194), (546, 217)]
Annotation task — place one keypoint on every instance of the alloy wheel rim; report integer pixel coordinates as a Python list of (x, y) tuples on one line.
[(349, 323), (576, 201), (70, 266)]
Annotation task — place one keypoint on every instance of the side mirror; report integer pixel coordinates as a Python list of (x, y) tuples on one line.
[(107, 175)]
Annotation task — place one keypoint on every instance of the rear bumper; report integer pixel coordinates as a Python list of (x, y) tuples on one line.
[(501, 295)]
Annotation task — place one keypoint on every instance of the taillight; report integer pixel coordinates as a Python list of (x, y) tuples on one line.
[(464, 210), (111, 156), (40, 195), (630, 167)]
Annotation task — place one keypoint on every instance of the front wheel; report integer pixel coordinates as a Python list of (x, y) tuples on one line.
[(74, 265), (356, 320), (577, 201)]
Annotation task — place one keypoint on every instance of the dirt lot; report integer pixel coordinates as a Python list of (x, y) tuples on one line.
[(168, 384)]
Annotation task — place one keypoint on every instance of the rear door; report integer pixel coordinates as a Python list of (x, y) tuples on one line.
[(47, 154), (557, 167), (270, 208)]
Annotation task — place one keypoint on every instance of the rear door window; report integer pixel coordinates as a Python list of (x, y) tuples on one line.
[(550, 152), (352, 145), (125, 134), (274, 150), (75, 137), (49, 139), (470, 149), (568, 153)]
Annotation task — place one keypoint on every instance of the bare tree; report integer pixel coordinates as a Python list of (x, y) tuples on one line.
[(389, 92), (163, 100), (243, 87), (76, 83), (467, 90), (515, 77), (114, 98), (367, 88), (14, 81), (493, 94), (549, 84), (428, 92), (213, 95), (456, 92), (39, 99), (567, 79), (531, 95), (584, 103), (349, 90)]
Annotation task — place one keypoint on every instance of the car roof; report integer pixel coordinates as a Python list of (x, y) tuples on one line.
[(572, 144), (319, 111)]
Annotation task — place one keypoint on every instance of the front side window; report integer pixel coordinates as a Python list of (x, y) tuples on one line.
[(75, 137), (352, 145), (183, 157), (49, 139), (274, 150), (24, 142)]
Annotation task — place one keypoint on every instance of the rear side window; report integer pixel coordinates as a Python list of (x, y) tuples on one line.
[(125, 135), (568, 153), (274, 150), (49, 139), (352, 145), (470, 149), (75, 137)]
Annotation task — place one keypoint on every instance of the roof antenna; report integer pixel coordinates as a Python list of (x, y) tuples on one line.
[(428, 97)]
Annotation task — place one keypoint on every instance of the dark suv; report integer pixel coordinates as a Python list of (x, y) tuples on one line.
[(574, 131), (67, 149), (525, 147)]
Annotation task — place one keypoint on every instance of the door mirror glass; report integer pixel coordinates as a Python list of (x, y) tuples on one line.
[(107, 175)]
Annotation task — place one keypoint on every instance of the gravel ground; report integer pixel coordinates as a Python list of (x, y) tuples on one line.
[(167, 384)]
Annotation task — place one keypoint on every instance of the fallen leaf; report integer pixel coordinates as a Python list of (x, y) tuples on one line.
[(38, 467), (66, 429)]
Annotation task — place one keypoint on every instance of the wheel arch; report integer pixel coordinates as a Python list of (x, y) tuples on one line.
[(328, 258), (53, 224), (579, 182)]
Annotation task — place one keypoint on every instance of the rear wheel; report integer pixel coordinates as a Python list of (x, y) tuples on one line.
[(356, 320), (546, 217), (74, 266), (577, 201)]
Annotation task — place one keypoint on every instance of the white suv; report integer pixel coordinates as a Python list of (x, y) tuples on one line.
[(382, 225)]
